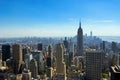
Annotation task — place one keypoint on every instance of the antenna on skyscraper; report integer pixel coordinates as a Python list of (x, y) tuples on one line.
[(80, 23)]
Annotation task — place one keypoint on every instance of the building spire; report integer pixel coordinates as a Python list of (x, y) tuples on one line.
[(80, 24)]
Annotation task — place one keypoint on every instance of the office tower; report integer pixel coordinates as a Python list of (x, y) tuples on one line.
[(103, 45), (27, 59), (6, 52), (38, 56), (115, 72), (91, 34), (60, 64), (17, 52), (49, 61), (50, 56), (66, 43), (34, 68), (25, 51), (26, 75), (66, 59), (71, 51), (50, 51), (40, 46), (17, 57), (114, 47), (94, 60), (80, 41)]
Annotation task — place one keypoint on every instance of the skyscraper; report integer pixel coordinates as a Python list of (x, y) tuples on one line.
[(27, 59), (66, 43), (38, 56), (50, 62), (40, 46), (17, 52), (79, 41), (91, 34), (6, 52), (71, 51), (94, 60), (17, 57), (114, 47), (103, 45), (50, 51), (50, 56), (25, 51), (60, 64), (34, 68)]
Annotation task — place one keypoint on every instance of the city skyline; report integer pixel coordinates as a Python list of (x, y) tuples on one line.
[(51, 18)]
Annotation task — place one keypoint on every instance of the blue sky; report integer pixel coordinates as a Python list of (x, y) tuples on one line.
[(53, 18)]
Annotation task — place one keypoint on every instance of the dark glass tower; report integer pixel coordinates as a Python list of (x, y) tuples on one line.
[(66, 43), (6, 52), (114, 47), (79, 41), (40, 46), (50, 56)]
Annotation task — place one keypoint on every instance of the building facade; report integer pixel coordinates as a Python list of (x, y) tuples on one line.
[(94, 60), (60, 64), (6, 53), (34, 68), (17, 57)]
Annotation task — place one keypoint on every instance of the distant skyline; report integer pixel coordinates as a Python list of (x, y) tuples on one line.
[(58, 18)]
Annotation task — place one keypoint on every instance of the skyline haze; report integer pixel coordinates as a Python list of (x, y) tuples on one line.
[(54, 18)]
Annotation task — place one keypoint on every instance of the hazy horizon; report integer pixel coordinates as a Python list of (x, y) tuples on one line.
[(54, 18)]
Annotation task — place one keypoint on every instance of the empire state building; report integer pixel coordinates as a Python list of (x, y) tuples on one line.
[(79, 41)]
